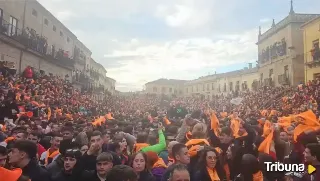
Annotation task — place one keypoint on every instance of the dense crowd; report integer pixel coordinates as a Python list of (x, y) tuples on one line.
[(51, 131)]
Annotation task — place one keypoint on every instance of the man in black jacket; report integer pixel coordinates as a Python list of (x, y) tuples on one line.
[(23, 155)]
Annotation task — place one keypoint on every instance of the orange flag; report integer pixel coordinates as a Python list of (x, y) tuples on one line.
[(267, 128), (214, 123), (49, 113), (235, 127), (266, 144), (223, 114), (273, 113), (109, 116), (166, 121), (309, 118), (308, 122)]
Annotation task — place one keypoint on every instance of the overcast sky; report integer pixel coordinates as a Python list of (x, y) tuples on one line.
[(138, 41)]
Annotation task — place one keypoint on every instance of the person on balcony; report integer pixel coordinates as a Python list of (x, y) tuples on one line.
[(28, 73)]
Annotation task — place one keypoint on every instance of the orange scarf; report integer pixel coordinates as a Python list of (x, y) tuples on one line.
[(193, 146), (52, 155), (213, 174), (258, 176), (160, 163), (138, 146)]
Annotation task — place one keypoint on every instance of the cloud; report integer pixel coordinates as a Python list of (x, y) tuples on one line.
[(141, 40), (265, 20), (177, 59)]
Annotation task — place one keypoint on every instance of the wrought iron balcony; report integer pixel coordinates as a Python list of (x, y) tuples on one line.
[(36, 43), (79, 57), (315, 54), (283, 79), (80, 78)]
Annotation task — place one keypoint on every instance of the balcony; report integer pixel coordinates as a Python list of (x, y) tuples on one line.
[(79, 57), (268, 82), (94, 74), (315, 53), (283, 79), (36, 44), (80, 78)]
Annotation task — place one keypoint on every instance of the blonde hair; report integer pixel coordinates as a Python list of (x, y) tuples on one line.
[(199, 131)]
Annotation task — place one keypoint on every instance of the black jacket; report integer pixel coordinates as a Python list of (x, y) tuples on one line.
[(90, 175), (146, 176), (35, 172), (203, 175)]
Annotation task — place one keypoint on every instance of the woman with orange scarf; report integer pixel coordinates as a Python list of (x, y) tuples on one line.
[(209, 166)]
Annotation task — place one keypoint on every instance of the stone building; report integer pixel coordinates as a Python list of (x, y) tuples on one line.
[(224, 83), (168, 87), (281, 52), (31, 36), (311, 36)]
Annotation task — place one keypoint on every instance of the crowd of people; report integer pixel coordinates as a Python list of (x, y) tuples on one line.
[(50, 131)]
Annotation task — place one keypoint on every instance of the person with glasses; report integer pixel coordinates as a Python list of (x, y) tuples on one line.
[(72, 168), (209, 166)]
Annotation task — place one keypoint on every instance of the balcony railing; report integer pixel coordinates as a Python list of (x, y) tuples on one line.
[(80, 77), (94, 74), (79, 57), (283, 79), (35, 42), (315, 53)]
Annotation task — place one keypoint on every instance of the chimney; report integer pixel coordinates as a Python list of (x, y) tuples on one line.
[(250, 65)]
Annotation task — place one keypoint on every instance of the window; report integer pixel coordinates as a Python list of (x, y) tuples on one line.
[(13, 26), (68, 39), (316, 44), (212, 86), (54, 28), (186, 90), (230, 86), (34, 13), (33, 32), (208, 87), (270, 72), (170, 89), (154, 89), (46, 22), (61, 33), (1, 14), (286, 71), (163, 89), (197, 88), (192, 89), (203, 87)]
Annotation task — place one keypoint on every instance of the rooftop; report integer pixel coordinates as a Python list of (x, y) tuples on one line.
[(311, 21), (291, 18), (167, 82)]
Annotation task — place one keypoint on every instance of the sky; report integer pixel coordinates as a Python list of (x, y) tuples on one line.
[(139, 41)]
